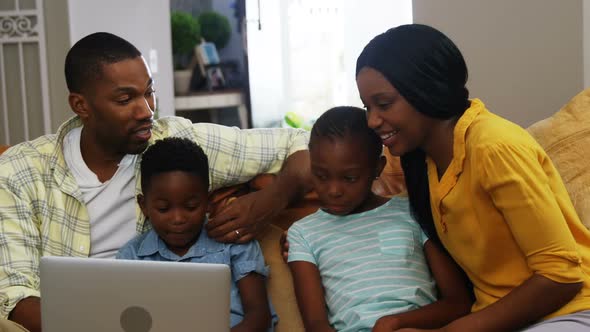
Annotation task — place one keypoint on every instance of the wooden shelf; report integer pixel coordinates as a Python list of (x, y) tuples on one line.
[(214, 100)]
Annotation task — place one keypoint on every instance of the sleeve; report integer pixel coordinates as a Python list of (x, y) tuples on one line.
[(245, 259), (423, 237), (20, 240), (299, 248), (521, 190), (237, 155)]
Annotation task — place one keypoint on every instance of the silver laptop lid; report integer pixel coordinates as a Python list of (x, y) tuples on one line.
[(89, 294)]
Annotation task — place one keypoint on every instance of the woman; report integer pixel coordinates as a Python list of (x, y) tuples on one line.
[(479, 184)]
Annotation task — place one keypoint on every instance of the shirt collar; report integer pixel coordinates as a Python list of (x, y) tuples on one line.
[(465, 121), (61, 174), (456, 166), (152, 244)]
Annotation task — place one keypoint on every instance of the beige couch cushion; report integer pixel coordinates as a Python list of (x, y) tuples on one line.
[(566, 138), (280, 283)]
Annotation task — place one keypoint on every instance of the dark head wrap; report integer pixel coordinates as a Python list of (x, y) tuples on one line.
[(427, 68), (424, 65)]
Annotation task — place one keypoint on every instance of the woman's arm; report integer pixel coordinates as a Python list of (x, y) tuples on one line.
[(310, 296), (523, 186), (535, 298), (454, 297), (520, 187), (255, 303)]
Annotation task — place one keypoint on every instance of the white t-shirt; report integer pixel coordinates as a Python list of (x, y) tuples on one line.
[(111, 205)]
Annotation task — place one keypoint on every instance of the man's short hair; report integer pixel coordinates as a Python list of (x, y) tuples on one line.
[(85, 59), (174, 154)]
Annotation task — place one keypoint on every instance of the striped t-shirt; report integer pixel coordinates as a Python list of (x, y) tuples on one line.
[(372, 263)]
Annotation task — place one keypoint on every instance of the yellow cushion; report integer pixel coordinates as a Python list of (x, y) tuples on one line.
[(566, 138), (280, 282)]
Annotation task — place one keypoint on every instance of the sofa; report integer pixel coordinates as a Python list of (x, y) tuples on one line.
[(565, 136)]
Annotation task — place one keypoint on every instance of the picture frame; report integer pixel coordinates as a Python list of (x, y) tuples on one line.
[(210, 66), (215, 77)]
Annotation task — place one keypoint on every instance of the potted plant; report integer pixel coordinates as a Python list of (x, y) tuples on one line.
[(215, 28), (186, 33)]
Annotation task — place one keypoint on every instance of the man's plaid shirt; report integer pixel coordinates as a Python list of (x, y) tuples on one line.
[(41, 208)]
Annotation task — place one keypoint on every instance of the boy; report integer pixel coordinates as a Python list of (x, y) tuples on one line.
[(361, 262), (175, 184)]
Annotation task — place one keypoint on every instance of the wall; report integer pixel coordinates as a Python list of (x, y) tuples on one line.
[(525, 58), (586, 43), (23, 112), (146, 24), (57, 34)]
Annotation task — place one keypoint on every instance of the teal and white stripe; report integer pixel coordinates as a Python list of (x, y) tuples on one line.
[(372, 264)]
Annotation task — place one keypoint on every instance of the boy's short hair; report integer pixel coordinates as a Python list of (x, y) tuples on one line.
[(174, 154), (85, 59), (342, 121)]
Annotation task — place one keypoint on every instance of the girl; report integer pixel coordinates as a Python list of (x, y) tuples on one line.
[(362, 262)]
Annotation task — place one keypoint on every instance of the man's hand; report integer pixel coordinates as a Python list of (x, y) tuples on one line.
[(248, 215), (28, 314), (245, 217)]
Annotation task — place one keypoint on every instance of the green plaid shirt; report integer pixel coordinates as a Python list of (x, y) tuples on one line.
[(41, 208)]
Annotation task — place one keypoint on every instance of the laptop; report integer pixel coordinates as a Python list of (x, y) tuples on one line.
[(93, 294)]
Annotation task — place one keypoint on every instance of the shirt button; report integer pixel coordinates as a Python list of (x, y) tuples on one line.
[(82, 248), (444, 226)]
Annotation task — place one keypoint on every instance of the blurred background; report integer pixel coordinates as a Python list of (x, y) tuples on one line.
[(273, 63)]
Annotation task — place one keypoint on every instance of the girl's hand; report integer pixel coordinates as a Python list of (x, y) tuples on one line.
[(284, 244), (386, 324)]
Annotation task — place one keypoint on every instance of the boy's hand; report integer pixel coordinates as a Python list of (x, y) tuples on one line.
[(28, 314)]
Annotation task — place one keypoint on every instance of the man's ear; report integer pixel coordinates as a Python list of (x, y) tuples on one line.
[(380, 166), (141, 202), (79, 105)]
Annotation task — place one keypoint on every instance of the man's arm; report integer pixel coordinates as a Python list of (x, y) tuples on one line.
[(19, 254), (236, 156), (249, 213)]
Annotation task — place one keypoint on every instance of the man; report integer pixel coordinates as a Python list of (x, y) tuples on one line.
[(73, 193)]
